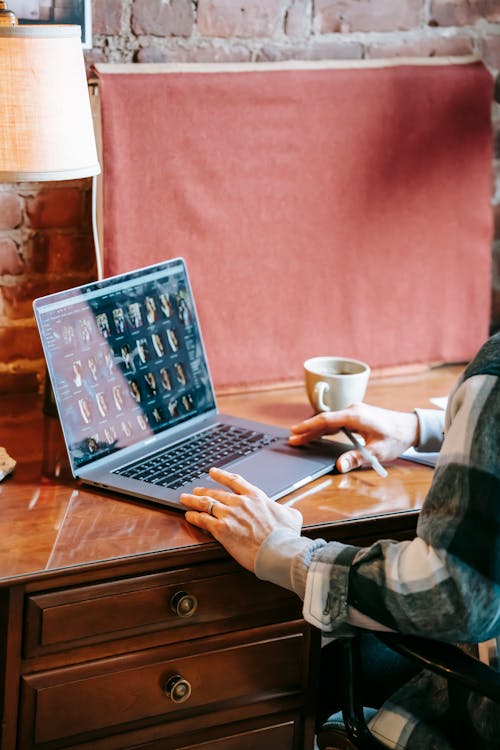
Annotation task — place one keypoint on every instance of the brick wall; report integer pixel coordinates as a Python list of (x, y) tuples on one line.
[(45, 229)]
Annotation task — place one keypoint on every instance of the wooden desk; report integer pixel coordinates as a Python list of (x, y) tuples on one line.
[(103, 600)]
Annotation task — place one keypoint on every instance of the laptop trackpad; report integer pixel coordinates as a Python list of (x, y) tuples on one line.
[(278, 472)]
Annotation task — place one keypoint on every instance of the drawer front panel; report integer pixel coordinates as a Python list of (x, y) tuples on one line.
[(100, 697), (93, 614), (270, 732), (278, 737)]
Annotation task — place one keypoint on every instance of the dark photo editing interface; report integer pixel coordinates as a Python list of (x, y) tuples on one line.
[(126, 360)]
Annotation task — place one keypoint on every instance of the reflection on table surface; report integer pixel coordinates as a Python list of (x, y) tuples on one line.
[(50, 522)]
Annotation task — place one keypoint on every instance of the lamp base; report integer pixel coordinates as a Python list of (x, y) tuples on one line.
[(49, 403), (7, 17), (55, 462)]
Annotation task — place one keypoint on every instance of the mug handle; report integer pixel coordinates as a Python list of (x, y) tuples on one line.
[(319, 391)]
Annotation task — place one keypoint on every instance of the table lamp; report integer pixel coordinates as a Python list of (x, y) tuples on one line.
[(46, 129)]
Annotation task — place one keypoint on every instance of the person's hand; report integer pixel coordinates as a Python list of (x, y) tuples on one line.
[(240, 516), (387, 433)]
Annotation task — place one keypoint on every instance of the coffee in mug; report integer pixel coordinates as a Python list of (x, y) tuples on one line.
[(333, 383)]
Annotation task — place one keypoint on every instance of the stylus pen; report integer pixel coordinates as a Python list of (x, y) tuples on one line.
[(373, 460)]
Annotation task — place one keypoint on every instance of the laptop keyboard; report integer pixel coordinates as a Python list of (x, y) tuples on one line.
[(187, 460)]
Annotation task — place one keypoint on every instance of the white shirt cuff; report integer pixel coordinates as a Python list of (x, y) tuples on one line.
[(431, 425), (276, 556)]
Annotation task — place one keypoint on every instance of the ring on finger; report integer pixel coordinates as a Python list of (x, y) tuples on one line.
[(210, 508)]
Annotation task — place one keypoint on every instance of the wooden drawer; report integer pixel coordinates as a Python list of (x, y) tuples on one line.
[(179, 604), (275, 732), (88, 701), (279, 736)]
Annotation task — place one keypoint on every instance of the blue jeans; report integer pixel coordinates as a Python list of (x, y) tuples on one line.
[(383, 672)]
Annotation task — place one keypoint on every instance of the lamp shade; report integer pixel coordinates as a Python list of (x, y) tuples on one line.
[(46, 130)]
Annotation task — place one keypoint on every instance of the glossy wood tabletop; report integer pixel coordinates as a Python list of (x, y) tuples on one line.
[(48, 522)]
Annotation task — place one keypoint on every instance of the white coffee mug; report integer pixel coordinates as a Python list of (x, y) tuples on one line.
[(333, 383)]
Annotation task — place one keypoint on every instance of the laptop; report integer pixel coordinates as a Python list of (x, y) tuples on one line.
[(135, 398)]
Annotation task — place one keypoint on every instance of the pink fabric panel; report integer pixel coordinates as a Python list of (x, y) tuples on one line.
[(319, 211)]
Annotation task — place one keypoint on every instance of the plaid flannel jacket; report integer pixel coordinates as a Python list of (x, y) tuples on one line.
[(443, 584)]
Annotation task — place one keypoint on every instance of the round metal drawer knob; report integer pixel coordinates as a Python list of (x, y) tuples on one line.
[(177, 689), (183, 604)]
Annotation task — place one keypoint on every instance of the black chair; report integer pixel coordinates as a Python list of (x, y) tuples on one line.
[(349, 731)]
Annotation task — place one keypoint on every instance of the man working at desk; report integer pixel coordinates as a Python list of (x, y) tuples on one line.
[(444, 584)]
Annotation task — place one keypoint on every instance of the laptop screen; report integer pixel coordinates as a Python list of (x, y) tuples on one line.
[(125, 357)]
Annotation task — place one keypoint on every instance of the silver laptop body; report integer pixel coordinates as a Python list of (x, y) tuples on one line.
[(130, 378)]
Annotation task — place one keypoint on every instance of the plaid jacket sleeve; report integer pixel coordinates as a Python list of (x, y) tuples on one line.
[(443, 584), (446, 582)]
